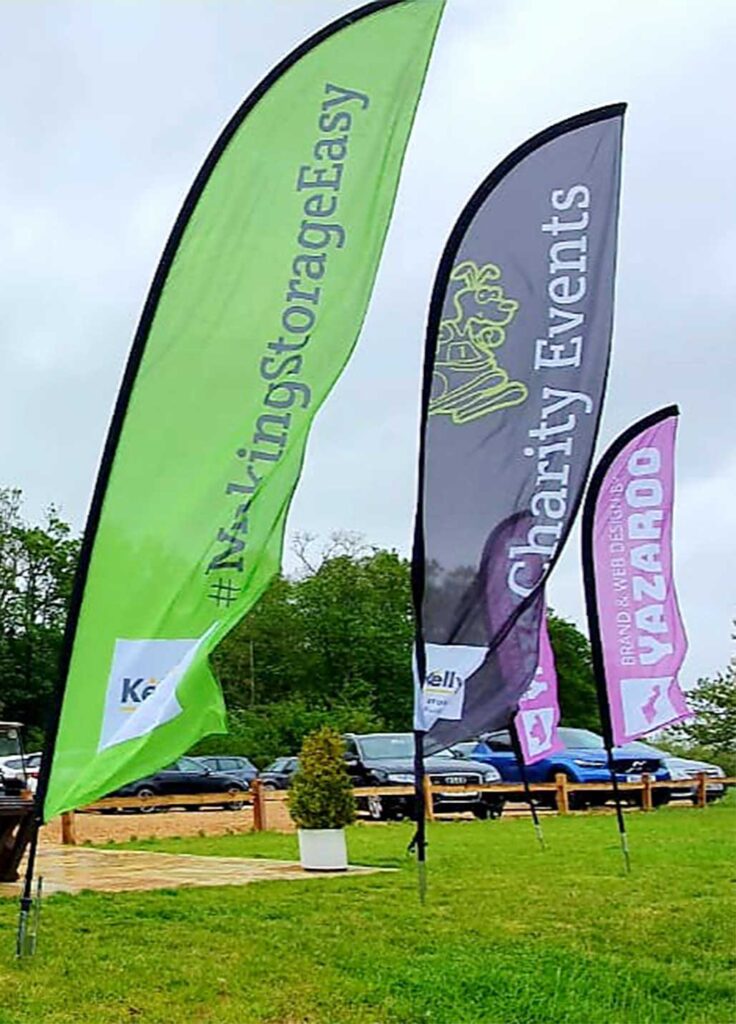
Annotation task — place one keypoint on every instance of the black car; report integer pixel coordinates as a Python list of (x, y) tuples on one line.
[(184, 777), (239, 767), (387, 759), (279, 773)]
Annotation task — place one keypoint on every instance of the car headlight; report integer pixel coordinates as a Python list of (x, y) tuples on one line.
[(583, 763), (404, 778), (379, 775), (677, 774), (492, 775)]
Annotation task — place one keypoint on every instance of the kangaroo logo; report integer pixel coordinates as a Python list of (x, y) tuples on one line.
[(468, 381)]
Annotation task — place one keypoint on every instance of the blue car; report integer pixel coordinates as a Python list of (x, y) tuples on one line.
[(584, 759)]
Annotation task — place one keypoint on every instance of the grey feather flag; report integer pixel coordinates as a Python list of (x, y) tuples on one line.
[(518, 344)]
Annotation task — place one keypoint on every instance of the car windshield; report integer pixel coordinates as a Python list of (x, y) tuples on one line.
[(465, 749), (387, 745), (582, 739), (9, 741), (647, 748), (278, 765)]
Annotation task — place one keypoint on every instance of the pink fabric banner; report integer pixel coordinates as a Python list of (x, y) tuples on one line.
[(539, 711), (642, 636)]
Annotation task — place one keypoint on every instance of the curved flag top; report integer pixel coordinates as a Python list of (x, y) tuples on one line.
[(518, 343), (253, 313), (637, 635), (539, 711)]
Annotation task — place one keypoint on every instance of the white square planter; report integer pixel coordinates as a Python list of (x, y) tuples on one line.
[(323, 849)]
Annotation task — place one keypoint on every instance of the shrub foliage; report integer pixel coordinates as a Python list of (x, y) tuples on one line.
[(321, 794)]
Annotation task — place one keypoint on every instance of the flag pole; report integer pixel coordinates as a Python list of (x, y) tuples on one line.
[(596, 644), (419, 842), (25, 941), (518, 753), (623, 835)]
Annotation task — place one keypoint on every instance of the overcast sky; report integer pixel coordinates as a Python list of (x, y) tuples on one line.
[(107, 110)]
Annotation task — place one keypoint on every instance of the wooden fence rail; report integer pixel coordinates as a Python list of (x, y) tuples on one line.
[(258, 797)]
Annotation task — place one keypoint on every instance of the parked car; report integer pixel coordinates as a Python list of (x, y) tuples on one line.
[(387, 759), (23, 767), (184, 777), (584, 759), (16, 804), (681, 768), (279, 773), (239, 767)]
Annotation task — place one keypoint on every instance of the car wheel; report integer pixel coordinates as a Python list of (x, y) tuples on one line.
[(497, 809), (270, 787), (236, 805), (147, 793), (375, 808)]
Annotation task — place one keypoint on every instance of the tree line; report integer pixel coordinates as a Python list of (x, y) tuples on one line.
[(328, 644)]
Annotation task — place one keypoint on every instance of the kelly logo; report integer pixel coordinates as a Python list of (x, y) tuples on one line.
[(469, 382), (141, 689), (443, 688), (136, 690), (448, 682)]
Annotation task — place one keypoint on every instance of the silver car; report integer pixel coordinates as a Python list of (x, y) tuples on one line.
[(682, 768)]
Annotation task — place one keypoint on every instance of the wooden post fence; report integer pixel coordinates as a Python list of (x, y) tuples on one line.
[(68, 829), (646, 793), (259, 797), (259, 806), (702, 789), (561, 794), (428, 801)]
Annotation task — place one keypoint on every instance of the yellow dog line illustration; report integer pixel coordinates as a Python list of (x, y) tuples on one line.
[(468, 381)]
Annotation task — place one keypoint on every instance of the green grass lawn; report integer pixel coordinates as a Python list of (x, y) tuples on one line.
[(508, 935)]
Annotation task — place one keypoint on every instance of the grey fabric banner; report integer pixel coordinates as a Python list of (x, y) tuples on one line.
[(518, 345)]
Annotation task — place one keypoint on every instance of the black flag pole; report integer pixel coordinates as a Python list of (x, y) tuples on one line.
[(594, 629), (598, 670), (419, 842), (519, 755)]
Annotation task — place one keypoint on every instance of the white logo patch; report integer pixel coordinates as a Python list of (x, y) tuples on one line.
[(141, 690), (443, 692), (646, 704)]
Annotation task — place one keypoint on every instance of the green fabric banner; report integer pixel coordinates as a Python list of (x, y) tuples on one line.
[(254, 311)]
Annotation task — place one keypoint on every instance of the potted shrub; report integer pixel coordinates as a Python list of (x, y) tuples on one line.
[(321, 802)]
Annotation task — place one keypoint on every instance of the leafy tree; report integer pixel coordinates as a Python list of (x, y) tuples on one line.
[(37, 565), (711, 734), (267, 731), (334, 645), (576, 682), (337, 637)]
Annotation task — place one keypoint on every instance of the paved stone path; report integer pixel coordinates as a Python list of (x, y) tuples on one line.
[(74, 869)]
